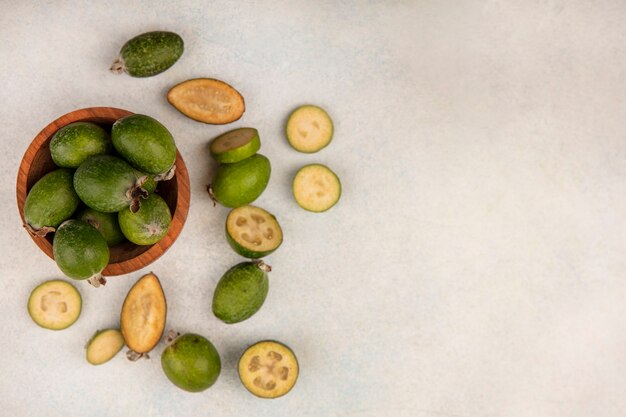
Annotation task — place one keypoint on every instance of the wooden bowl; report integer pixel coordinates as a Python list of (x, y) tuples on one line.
[(125, 257)]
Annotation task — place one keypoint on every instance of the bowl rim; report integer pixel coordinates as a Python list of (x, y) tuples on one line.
[(182, 180)]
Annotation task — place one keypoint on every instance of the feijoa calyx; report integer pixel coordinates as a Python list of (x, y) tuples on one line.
[(79, 250), (149, 54), (147, 225), (242, 182), (268, 369), (73, 144), (191, 362)]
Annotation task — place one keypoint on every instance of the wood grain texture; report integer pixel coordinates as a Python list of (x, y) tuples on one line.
[(125, 257)]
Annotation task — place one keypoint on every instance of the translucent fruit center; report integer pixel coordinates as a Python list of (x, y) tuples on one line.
[(269, 369), (254, 230), (53, 302)]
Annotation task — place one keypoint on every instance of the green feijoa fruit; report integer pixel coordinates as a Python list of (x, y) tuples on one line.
[(149, 184), (145, 143), (268, 369), (105, 223), (242, 182), (74, 143), (50, 201), (104, 345), (235, 145), (316, 188), (55, 304), (149, 54), (241, 292), (107, 184), (79, 250), (253, 232), (149, 224), (309, 129), (191, 363)]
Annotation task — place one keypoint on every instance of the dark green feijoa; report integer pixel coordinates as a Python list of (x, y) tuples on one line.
[(241, 292), (242, 182), (74, 143), (149, 224), (49, 202), (79, 250), (108, 184), (145, 143), (149, 54), (105, 223), (191, 363), (149, 184)]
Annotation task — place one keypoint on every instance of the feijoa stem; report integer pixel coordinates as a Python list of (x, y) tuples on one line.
[(41, 232), (171, 335), (118, 66), (133, 356), (97, 280), (209, 189), (166, 175), (136, 193), (263, 266)]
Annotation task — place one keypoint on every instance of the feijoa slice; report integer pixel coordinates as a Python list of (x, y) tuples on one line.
[(50, 201), (309, 129), (191, 362), (242, 182), (235, 145), (73, 144), (149, 224), (55, 304), (316, 188), (207, 100), (241, 292), (105, 223), (253, 232), (143, 314), (104, 345), (79, 250), (149, 54), (268, 369)]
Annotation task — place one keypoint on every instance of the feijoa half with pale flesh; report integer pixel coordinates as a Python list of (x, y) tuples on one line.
[(191, 362), (253, 232), (242, 182), (149, 224), (149, 54), (207, 100), (268, 369), (316, 188), (79, 250), (235, 145), (309, 129), (105, 223), (55, 304), (73, 144), (104, 345)]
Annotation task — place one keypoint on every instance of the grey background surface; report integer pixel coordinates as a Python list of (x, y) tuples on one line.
[(474, 265)]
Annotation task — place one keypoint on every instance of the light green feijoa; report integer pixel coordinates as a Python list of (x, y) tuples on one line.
[(105, 223), (55, 304), (74, 143), (79, 250), (149, 184), (145, 143), (107, 184), (316, 188), (50, 201), (241, 292), (149, 54), (191, 363), (253, 232), (235, 145), (242, 182), (149, 224), (104, 345)]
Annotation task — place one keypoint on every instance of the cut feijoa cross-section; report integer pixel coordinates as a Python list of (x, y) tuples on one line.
[(316, 188), (253, 232)]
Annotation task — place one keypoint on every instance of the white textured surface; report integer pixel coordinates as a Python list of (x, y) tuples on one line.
[(475, 264)]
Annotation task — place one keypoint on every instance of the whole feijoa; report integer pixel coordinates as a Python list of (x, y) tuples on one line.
[(79, 250), (145, 143), (50, 201), (149, 224), (191, 363), (74, 143), (242, 182), (105, 223), (149, 54)]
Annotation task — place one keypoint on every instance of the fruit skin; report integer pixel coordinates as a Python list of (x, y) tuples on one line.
[(145, 143), (191, 363), (41, 287), (79, 250), (237, 154), (242, 250), (105, 223), (285, 349), (242, 182), (240, 293), (74, 143), (104, 183), (150, 53), (148, 225), (51, 200), (97, 338)]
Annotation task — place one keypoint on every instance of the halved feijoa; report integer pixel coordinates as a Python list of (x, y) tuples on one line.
[(309, 129), (143, 314), (105, 223), (149, 224), (191, 363), (235, 145), (104, 345), (145, 143), (207, 100), (149, 54), (79, 250), (268, 369), (50, 201), (74, 143), (241, 292), (316, 188), (242, 182), (55, 304), (253, 232)]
